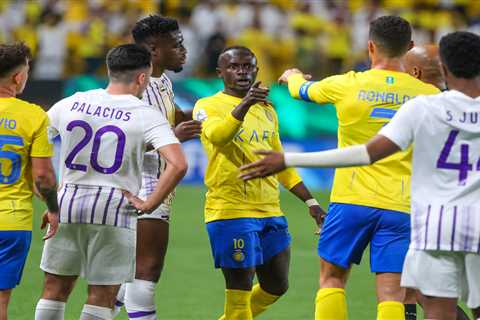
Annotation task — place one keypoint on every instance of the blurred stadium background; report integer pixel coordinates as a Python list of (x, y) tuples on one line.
[(69, 39)]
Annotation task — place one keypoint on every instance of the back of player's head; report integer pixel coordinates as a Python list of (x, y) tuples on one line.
[(153, 26), (13, 56), (230, 50), (392, 35), (125, 61), (460, 54)]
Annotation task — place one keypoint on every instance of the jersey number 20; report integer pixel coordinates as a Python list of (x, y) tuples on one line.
[(97, 139)]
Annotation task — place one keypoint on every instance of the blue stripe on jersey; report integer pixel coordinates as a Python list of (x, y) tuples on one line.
[(382, 113), (303, 92)]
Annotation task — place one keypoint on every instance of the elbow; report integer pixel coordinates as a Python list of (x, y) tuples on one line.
[(181, 168)]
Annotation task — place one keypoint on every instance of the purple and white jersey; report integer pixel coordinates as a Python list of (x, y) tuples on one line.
[(103, 141), (445, 132), (159, 95)]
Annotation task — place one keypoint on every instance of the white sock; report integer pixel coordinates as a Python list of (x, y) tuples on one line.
[(49, 310), (91, 312), (140, 300), (120, 301)]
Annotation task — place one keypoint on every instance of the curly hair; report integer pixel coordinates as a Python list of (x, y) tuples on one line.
[(153, 26), (392, 34), (12, 56), (460, 53)]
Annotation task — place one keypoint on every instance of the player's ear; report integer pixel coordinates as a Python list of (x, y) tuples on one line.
[(219, 72), (417, 73), (371, 47)]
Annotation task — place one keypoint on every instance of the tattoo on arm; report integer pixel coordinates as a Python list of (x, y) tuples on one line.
[(48, 191)]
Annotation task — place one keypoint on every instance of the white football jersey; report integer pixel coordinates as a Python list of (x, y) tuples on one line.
[(445, 132), (104, 138), (159, 95)]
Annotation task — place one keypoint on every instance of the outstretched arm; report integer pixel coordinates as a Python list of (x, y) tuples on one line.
[(377, 148)]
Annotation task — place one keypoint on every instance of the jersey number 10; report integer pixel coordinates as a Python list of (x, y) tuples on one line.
[(463, 166), (97, 139)]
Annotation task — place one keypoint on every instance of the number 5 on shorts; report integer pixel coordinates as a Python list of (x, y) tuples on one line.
[(11, 156)]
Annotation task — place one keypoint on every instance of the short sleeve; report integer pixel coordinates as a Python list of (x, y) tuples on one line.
[(41, 144), (157, 131), (329, 90), (401, 129), (53, 115)]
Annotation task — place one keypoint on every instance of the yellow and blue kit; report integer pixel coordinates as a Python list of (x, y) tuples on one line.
[(245, 223), (23, 134), (366, 101)]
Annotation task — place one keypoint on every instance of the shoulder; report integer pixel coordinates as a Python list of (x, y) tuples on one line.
[(33, 109), (423, 88)]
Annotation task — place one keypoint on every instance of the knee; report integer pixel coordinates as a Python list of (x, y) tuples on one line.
[(282, 288), (331, 280), (149, 269), (391, 293)]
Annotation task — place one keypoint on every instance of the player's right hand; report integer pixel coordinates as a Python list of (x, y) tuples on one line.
[(188, 129), (287, 73), (256, 94), (51, 219), (140, 205)]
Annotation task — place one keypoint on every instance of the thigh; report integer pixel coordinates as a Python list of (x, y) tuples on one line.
[(65, 253), (110, 255), (273, 274), (14, 246), (236, 243), (346, 232), (390, 241), (238, 278), (152, 243)]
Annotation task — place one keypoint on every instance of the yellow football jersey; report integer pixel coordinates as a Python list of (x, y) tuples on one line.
[(229, 144), (366, 101), (23, 134)]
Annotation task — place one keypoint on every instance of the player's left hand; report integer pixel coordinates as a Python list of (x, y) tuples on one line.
[(318, 215), (51, 219), (272, 163)]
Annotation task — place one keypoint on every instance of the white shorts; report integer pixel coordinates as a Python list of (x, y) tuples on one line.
[(444, 274), (161, 213), (102, 254)]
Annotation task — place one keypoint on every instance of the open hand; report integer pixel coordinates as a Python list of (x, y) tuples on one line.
[(51, 219), (287, 73), (272, 163), (188, 129), (318, 215)]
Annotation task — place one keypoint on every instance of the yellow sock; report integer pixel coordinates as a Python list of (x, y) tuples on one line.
[(331, 304), (390, 310), (237, 305), (261, 300)]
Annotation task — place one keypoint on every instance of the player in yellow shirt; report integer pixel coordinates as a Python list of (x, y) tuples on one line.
[(247, 230), (25, 154), (369, 205)]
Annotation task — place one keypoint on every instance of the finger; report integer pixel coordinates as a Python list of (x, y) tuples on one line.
[(252, 165), (307, 76), (192, 122), (263, 152), (256, 84)]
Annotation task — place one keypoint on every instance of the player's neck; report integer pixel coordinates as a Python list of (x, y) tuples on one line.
[(392, 64), (157, 71), (120, 89), (7, 92), (469, 87), (235, 93)]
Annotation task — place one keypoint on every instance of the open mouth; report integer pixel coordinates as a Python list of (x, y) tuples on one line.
[(243, 82)]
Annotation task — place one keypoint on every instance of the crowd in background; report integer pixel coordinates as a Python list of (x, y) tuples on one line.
[(322, 37)]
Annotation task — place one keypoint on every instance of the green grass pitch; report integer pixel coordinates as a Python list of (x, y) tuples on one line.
[(190, 287)]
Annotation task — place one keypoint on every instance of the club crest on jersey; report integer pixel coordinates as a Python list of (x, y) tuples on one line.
[(201, 115), (390, 80), (238, 255)]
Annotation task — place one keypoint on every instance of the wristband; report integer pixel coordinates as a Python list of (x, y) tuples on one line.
[(312, 202)]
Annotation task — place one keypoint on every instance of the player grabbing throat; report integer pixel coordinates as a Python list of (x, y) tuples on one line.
[(25, 160), (163, 38), (247, 230), (443, 259), (104, 135)]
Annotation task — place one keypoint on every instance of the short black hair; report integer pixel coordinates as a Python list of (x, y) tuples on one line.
[(124, 61), (460, 53), (13, 56), (152, 26), (392, 34), (236, 48)]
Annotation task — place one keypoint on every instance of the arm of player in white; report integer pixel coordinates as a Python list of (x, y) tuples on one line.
[(360, 155)]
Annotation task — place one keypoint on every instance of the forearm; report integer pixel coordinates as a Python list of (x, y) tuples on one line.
[(220, 132), (165, 185), (336, 158), (46, 186), (295, 82), (301, 192)]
